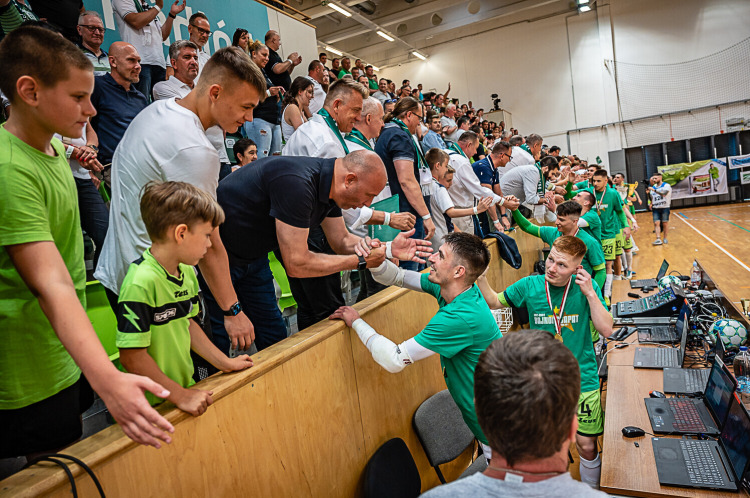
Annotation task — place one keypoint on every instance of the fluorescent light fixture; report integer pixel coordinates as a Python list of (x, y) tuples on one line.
[(342, 11), (418, 55), (376, 69), (333, 50), (384, 35), (583, 2), (584, 8)]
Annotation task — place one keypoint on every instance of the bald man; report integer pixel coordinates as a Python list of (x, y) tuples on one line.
[(116, 99), (272, 206), (279, 70)]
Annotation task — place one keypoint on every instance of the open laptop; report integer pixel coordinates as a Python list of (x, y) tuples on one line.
[(707, 464), (651, 282), (690, 380), (662, 357), (665, 333), (703, 415)]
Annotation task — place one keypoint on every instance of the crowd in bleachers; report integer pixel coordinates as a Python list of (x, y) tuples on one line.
[(182, 228)]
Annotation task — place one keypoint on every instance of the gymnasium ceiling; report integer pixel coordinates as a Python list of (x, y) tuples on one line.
[(416, 24)]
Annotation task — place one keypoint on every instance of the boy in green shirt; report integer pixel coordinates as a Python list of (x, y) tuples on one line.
[(159, 295), (462, 328), (589, 221), (49, 340), (565, 302)]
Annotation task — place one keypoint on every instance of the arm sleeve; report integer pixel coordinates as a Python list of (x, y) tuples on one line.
[(582, 223), (389, 274), (525, 224), (357, 217), (10, 18), (22, 206), (385, 352), (124, 7)]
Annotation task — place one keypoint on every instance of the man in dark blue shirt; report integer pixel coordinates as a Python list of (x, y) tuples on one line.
[(489, 171), (116, 99)]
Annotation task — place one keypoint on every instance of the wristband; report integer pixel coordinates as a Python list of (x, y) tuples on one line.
[(158, 9), (475, 210), (172, 16), (502, 201), (387, 221), (496, 222), (388, 250), (427, 216), (69, 151)]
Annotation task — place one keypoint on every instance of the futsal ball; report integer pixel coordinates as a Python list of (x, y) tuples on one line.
[(733, 334), (667, 280)]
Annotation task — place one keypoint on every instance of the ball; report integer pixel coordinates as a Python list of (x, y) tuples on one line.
[(733, 334), (667, 280)]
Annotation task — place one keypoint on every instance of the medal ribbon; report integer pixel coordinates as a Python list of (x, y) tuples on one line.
[(558, 319)]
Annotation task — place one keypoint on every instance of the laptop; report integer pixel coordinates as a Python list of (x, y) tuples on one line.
[(707, 464), (665, 333), (651, 282), (703, 415), (662, 357), (690, 380)]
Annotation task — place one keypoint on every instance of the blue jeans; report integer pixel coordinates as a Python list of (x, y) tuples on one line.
[(267, 136), (150, 75), (94, 214), (253, 284), (660, 214)]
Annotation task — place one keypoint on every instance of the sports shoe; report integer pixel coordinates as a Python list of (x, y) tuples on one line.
[(628, 275), (665, 241), (657, 242)]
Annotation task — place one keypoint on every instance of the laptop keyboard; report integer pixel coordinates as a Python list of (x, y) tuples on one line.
[(695, 380), (663, 357), (701, 463), (646, 282), (686, 416)]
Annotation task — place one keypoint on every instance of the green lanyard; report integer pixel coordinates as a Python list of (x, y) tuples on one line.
[(540, 185), (421, 163), (356, 136), (334, 128), (455, 148)]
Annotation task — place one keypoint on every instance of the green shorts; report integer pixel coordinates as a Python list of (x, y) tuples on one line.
[(590, 416), (619, 242), (608, 245)]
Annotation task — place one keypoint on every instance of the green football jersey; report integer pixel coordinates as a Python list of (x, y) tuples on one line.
[(609, 207), (459, 332), (595, 224), (153, 311)]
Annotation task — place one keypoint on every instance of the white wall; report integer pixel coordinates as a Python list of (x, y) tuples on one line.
[(295, 37), (555, 79)]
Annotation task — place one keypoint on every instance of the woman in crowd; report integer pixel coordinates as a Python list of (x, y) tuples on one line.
[(295, 110), (241, 39), (265, 128)]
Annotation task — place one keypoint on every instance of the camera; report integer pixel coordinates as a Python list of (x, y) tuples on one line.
[(495, 101)]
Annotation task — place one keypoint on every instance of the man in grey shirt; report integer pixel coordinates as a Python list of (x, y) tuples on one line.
[(526, 388)]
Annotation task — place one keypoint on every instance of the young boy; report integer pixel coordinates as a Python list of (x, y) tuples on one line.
[(159, 295), (566, 302), (440, 201), (48, 336)]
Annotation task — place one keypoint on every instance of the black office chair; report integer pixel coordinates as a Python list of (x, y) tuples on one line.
[(392, 473), (443, 433)]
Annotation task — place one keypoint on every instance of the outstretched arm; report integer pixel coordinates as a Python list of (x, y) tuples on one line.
[(389, 274), (525, 224)]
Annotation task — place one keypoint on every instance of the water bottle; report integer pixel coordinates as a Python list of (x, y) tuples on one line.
[(742, 374), (695, 275)]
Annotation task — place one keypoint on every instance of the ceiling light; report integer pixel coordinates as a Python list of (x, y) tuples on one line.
[(342, 11), (376, 69), (334, 51), (418, 55), (384, 35), (583, 2), (584, 8)]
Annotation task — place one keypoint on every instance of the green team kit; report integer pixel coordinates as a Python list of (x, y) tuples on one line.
[(566, 309), (153, 312), (609, 207)]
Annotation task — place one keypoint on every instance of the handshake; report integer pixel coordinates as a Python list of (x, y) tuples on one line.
[(402, 248)]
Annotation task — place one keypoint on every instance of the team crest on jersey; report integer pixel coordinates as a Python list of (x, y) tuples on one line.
[(165, 315)]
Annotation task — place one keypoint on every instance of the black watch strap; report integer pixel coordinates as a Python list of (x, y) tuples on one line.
[(362, 263), (234, 310)]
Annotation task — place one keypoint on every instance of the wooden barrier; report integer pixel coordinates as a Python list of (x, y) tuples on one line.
[(302, 422)]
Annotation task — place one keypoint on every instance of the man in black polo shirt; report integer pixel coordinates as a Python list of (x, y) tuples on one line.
[(279, 71), (272, 205)]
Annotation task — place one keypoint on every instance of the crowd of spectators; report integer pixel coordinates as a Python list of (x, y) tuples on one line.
[(145, 130)]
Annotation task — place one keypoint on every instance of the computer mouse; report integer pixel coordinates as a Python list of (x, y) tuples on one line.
[(632, 431), (647, 289), (657, 394)]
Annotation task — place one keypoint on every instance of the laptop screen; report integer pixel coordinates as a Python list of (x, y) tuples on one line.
[(662, 270), (736, 437), (719, 391), (682, 328)]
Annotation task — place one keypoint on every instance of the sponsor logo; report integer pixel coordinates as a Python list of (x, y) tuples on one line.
[(181, 293), (165, 315)]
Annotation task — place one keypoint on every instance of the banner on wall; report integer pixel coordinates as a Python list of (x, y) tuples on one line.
[(737, 162), (698, 179), (251, 16)]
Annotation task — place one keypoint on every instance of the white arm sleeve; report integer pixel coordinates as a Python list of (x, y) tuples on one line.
[(357, 217), (582, 222), (385, 352), (389, 274)]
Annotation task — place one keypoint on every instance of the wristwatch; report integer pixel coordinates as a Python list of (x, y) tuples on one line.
[(93, 147), (234, 310), (362, 265)]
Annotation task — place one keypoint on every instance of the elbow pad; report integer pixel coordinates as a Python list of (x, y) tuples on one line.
[(388, 274)]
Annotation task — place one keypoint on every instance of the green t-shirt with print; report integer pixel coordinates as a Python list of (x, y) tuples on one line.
[(38, 203), (153, 311), (595, 224), (530, 293), (459, 332), (609, 207), (594, 257)]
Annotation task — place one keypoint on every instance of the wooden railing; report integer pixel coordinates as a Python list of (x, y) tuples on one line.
[(290, 11), (302, 422)]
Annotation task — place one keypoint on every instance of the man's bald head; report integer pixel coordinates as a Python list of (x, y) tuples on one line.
[(119, 47), (357, 179), (125, 63)]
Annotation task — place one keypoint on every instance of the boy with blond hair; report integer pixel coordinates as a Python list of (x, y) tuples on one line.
[(159, 295)]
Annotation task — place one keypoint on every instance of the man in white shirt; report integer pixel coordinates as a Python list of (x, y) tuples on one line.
[(316, 72), (466, 189), (137, 24), (199, 30), (185, 60), (527, 153), (661, 199), (166, 141), (449, 124)]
